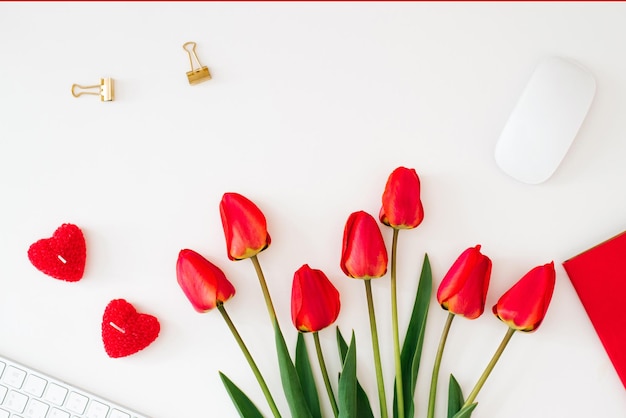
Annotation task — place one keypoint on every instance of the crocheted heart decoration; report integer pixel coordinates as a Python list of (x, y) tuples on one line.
[(61, 256), (125, 331)]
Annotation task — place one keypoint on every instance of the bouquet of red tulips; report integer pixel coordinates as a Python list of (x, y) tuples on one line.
[(315, 305)]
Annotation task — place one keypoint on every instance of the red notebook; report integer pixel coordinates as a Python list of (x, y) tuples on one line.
[(599, 277)]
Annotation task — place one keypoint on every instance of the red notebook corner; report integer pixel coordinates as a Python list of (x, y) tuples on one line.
[(599, 277)]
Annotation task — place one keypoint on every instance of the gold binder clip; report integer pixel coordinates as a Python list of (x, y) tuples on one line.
[(198, 73), (105, 90)]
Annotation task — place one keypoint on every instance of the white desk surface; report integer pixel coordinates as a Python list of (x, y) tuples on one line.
[(311, 106)]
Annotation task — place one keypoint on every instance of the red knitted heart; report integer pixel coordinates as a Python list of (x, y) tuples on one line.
[(62, 256), (124, 331)]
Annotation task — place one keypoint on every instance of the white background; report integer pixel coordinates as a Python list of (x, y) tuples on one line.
[(311, 106)]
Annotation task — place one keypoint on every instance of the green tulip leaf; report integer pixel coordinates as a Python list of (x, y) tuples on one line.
[(305, 373), (342, 346), (347, 384), (466, 412), (244, 405), (455, 397), (411, 353), (364, 409), (289, 377)]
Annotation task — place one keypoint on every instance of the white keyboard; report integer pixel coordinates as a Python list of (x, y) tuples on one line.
[(27, 393)]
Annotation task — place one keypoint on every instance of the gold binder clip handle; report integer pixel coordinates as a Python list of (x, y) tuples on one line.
[(198, 72), (105, 90)]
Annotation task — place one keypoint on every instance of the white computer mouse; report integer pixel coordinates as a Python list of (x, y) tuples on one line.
[(545, 120)]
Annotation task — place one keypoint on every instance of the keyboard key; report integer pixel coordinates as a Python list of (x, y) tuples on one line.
[(97, 410), (36, 409), (76, 402), (14, 377), (57, 413), (34, 385), (3, 393), (4, 413), (118, 414), (15, 401), (55, 394), (2, 366)]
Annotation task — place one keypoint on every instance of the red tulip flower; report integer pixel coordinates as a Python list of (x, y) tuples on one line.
[(402, 207), (314, 300), (206, 287), (463, 290), (364, 255), (245, 227), (204, 284), (524, 305)]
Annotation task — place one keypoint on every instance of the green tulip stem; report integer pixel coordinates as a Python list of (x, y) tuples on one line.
[(329, 389), (266, 292), (439, 356), (248, 356), (394, 326), (489, 368), (377, 363)]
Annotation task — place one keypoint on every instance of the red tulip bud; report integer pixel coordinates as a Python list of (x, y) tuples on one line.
[(364, 255), (463, 290), (402, 207), (245, 227), (524, 305), (314, 300), (204, 284)]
